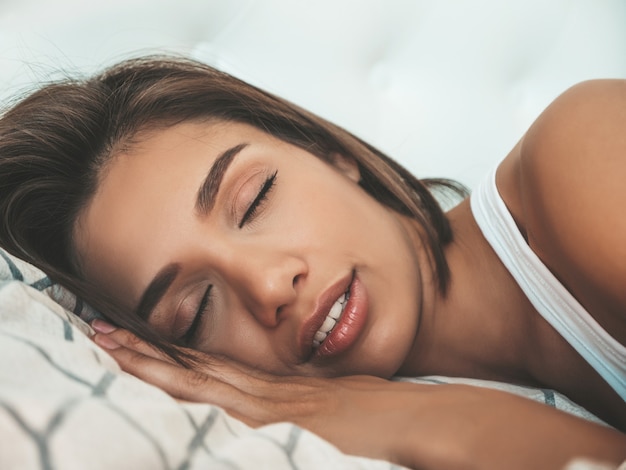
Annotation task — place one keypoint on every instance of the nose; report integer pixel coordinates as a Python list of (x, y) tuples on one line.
[(267, 283)]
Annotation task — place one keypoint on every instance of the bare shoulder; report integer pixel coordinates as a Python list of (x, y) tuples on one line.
[(572, 188)]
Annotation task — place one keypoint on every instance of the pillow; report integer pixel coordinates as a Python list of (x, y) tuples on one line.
[(64, 402)]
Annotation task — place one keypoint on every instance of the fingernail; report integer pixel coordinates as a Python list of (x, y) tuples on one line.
[(102, 327), (106, 342)]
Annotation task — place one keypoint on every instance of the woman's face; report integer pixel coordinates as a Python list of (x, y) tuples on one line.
[(241, 244)]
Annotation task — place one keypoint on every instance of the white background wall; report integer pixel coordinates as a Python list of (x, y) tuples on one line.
[(445, 86)]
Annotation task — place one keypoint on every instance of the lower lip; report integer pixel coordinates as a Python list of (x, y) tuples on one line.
[(350, 325)]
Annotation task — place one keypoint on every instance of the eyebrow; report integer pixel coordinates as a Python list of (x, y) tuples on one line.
[(156, 290), (205, 200)]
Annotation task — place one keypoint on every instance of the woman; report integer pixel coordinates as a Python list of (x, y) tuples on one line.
[(209, 217)]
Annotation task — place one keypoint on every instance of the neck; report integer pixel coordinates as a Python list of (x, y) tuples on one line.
[(481, 327)]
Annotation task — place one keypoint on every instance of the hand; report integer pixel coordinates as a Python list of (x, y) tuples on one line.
[(418, 426), (346, 411)]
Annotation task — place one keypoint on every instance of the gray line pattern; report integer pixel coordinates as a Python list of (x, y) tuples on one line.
[(103, 385), (198, 440), (48, 359), (16, 274), (155, 444), (78, 307), (68, 333), (213, 417), (40, 442), (42, 284), (549, 397), (283, 447)]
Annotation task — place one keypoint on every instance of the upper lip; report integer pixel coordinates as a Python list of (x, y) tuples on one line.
[(322, 307)]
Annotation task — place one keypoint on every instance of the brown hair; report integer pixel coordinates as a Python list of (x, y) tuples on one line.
[(55, 142)]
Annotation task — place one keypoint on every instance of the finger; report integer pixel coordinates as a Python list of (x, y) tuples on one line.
[(177, 381), (191, 385), (247, 398), (231, 369), (128, 340), (221, 367)]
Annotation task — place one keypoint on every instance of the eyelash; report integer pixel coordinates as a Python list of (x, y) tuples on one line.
[(189, 335), (261, 197)]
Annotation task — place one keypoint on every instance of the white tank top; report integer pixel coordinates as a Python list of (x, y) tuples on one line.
[(555, 303)]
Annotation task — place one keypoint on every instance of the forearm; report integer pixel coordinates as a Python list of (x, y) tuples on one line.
[(490, 429), (414, 425)]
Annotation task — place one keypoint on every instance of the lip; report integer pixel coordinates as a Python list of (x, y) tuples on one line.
[(349, 326)]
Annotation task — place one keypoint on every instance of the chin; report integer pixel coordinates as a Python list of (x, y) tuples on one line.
[(387, 351), (382, 359)]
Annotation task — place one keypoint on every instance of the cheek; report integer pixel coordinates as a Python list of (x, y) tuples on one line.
[(396, 286), (237, 336), (330, 208), (401, 275)]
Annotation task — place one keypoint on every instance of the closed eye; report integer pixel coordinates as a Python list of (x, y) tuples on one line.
[(189, 336), (260, 198)]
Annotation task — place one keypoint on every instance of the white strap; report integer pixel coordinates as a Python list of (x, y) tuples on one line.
[(555, 303)]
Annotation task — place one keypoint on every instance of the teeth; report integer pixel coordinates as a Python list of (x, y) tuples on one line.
[(328, 324), (335, 311), (331, 320), (319, 337)]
